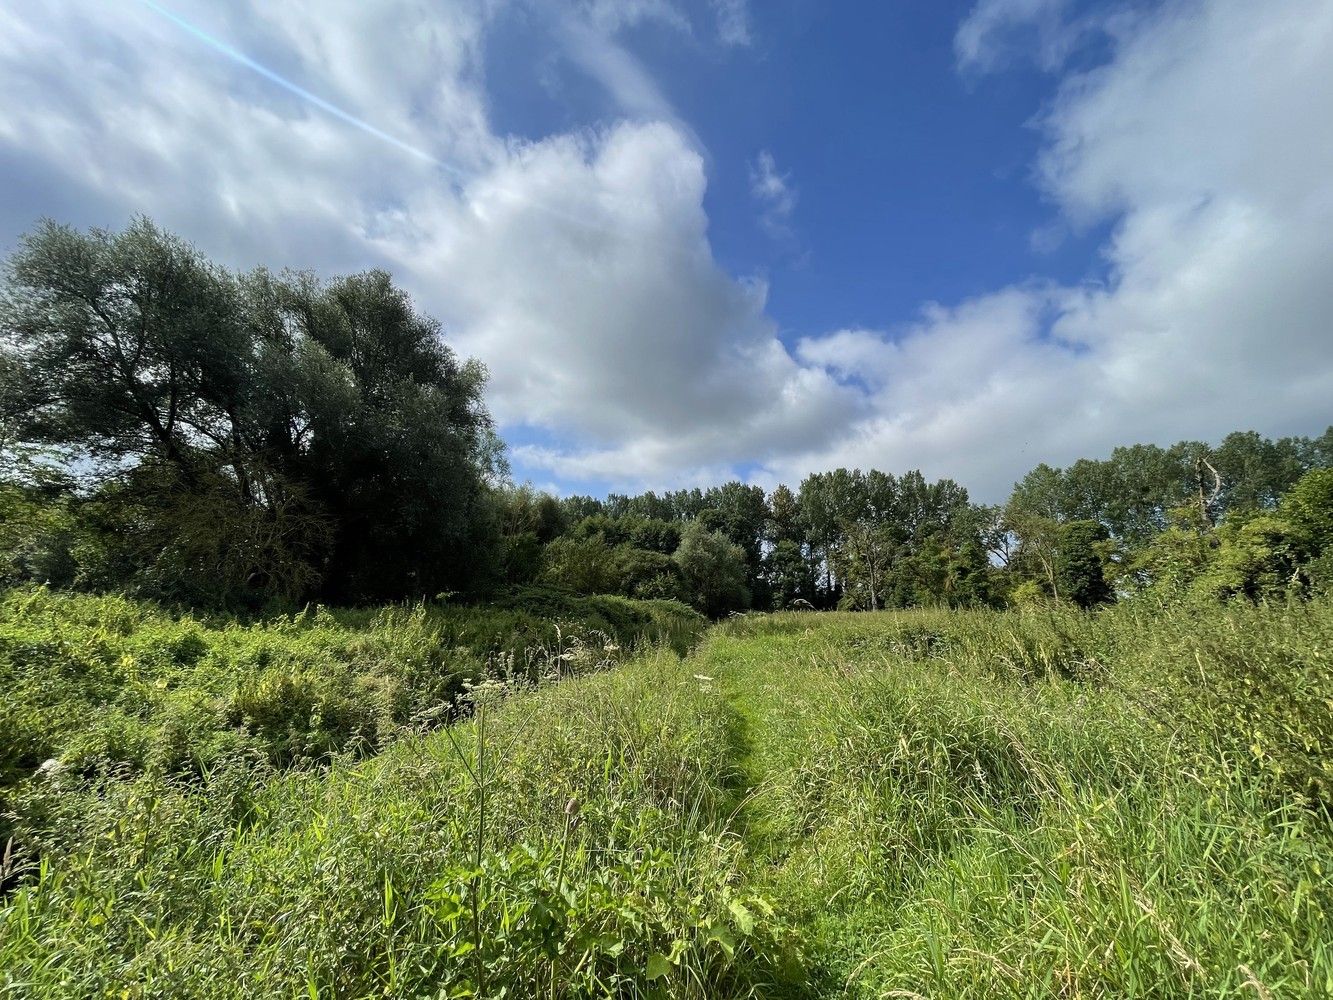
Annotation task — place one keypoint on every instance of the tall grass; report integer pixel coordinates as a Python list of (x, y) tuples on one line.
[(1030, 804), (98, 689), (1047, 803), (103, 681), (447, 866)]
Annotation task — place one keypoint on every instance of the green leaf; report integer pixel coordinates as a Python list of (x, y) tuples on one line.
[(722, 936), (659, 967), (743, 917)]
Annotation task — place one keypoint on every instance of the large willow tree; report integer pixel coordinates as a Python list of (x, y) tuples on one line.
[(250, 435)]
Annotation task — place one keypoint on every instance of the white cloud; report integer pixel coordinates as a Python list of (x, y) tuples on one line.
[(611, 319), (589, 35), (579, 268), (1208, 137), (604, 59), (610, 16), (999, 32), (733, 21), (775, 195)]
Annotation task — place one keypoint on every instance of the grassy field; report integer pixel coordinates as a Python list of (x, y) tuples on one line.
[(1042, 803)]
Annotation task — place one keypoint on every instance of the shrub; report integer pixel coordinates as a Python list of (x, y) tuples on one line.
[(714, 571), (107, 684)]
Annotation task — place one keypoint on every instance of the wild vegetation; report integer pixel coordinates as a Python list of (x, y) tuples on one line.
[(305, 698), (939, 803), (109, 688)]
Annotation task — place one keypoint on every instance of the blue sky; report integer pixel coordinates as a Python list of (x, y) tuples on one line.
[(698, 239), (913, 180)]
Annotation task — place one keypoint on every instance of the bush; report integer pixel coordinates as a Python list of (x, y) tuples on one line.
[(1028, 594), (1078, 564), (1256, 559), (713, 570)]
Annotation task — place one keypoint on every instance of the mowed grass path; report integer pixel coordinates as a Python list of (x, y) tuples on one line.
[(918, 804)]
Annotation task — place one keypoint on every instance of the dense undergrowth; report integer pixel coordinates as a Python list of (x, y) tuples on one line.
[(1044, 803), (103, 686)]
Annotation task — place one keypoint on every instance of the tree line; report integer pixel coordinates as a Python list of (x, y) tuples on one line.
[(177, 430), (1250, 517)]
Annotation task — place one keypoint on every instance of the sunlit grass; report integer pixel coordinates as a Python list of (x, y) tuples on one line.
[(939, 804)]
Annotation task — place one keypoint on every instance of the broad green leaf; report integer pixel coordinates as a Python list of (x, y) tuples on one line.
[(659, 967), (743, 917)]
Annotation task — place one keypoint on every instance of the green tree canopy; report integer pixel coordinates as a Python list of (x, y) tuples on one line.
[(714, 571), (328, 422), (1079, 574)]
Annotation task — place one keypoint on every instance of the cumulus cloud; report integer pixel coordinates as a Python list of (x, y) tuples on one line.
[(1207, 137), (577, 267), (612, 318)]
